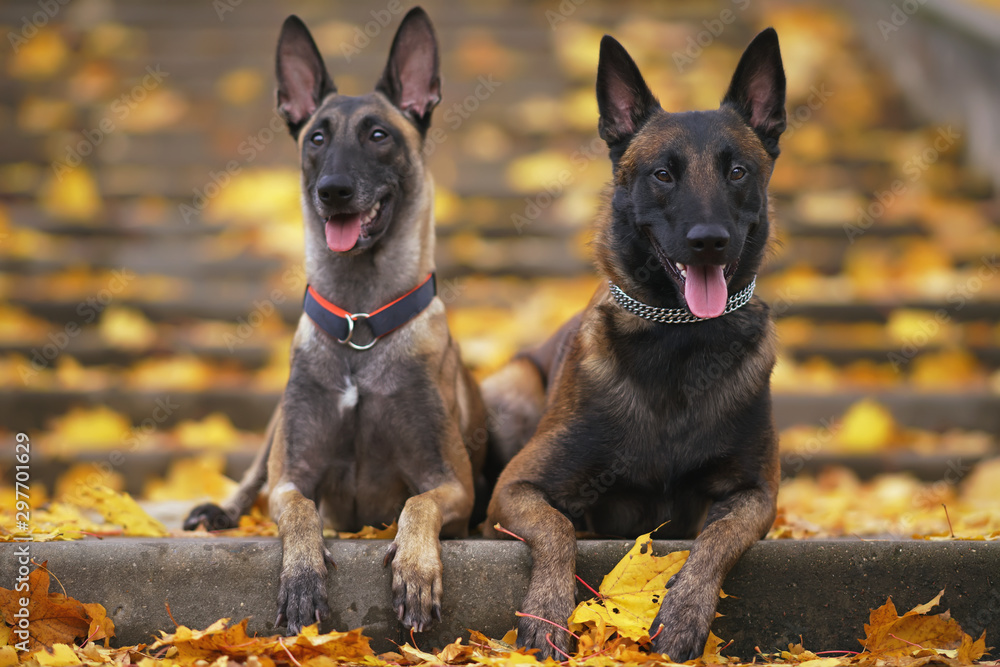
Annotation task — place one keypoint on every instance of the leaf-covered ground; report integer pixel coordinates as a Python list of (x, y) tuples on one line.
[(836, 503), (611, 629)]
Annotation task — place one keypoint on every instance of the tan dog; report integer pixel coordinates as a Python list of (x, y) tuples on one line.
[(375, 420)]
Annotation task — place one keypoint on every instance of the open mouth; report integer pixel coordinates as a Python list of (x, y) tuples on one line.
[(344, 230), (704, 285)]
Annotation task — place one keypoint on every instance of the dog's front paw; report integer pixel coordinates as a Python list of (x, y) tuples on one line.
[(302, 599), (546, 637), (211, 516), (686, 622), (416, 583)]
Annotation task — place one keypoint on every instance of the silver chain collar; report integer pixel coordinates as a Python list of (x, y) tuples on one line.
[(677, 315)]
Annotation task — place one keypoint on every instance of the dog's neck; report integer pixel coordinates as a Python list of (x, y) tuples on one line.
[(398, 262)]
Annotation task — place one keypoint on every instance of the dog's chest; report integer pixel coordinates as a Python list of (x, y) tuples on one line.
[(364, 484)]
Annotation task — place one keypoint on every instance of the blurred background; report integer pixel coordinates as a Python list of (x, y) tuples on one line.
[(151, 239)]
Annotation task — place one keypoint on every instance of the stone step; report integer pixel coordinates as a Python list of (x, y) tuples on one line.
[(31, 409), (141, 466), (90, 350), (780, 591)]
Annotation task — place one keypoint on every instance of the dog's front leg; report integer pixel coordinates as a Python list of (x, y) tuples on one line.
[(302, 589), (522, 508), (443, 504), (686, 613), (297, 468)]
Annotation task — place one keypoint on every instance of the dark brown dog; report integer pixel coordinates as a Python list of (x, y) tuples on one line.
[(653, 405), (367, 435)]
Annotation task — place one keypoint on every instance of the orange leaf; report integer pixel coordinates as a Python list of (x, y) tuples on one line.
[(890, 635), (54, 617), (970, 650)]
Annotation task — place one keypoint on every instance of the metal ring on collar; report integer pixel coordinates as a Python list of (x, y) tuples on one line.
[(350, 331), (348, 341)]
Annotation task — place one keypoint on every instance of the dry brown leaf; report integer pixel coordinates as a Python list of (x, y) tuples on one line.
[(220, 639), (55, 618), (889, 635)]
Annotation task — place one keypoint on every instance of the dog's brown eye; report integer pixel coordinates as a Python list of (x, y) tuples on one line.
[(378, 135), (663, 175), (737, 173), (317, 138)]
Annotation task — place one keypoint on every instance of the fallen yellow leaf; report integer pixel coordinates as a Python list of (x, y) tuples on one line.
[(122, 510), (631, 593)]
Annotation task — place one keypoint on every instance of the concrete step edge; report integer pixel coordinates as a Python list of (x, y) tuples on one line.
[(821, 590)]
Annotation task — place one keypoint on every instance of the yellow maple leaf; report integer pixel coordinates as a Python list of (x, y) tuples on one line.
[(122, 510), (40, 57), (126, 328), (88, 428), (631, 593), (867, 426), (74, 195), (192, 479), (215, 431)]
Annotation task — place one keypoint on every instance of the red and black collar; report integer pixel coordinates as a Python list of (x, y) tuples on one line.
[(340, 324)]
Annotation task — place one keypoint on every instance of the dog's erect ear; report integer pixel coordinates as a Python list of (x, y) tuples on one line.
[(303, 81), (757, 90), (624, 100), (411, 80)]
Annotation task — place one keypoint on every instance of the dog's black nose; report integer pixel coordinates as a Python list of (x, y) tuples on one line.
[(707, 240), (337, 187)]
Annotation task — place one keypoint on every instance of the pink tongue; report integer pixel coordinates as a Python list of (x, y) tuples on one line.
[(342, 234), (705, 290)]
